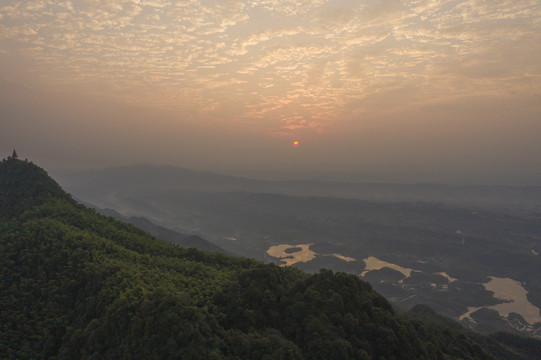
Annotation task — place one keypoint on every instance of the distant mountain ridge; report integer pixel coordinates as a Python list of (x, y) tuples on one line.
[(509, 198), (78, 285)]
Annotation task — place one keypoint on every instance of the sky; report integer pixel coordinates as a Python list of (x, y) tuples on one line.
[(367, 87)]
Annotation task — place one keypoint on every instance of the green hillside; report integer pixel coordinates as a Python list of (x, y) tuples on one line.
[(75, 284)]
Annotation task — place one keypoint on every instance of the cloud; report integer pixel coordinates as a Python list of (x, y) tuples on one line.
[(275, 58), (382, 9), (336, 15)]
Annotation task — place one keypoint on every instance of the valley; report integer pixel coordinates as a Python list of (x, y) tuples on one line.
[(511, 292), (413, 252), (78, 283)]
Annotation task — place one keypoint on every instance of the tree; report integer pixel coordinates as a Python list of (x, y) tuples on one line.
[(14, 155)]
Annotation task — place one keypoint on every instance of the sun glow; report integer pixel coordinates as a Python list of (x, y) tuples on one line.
[(295, 143)]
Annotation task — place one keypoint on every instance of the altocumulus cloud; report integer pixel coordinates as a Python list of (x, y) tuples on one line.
[(282, 65)]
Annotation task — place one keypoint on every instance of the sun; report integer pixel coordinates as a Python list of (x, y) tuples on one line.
[(295, 143)]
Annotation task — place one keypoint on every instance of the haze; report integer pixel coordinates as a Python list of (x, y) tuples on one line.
[(366, 87)]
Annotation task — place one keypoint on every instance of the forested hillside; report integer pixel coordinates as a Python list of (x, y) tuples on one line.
[(75, 284), (162, 233)]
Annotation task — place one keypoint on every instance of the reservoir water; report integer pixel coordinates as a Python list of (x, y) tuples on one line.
[(515, 297)]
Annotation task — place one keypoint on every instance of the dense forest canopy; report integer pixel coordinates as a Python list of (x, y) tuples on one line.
[(75, 284)]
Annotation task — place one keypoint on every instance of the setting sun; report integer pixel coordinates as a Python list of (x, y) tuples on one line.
[(377, 86)]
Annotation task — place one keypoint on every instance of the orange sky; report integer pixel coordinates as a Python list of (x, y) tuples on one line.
[(378, 85)]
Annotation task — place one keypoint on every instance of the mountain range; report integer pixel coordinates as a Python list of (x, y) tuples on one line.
[(460, 250), (516, 199), (76, 284)]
